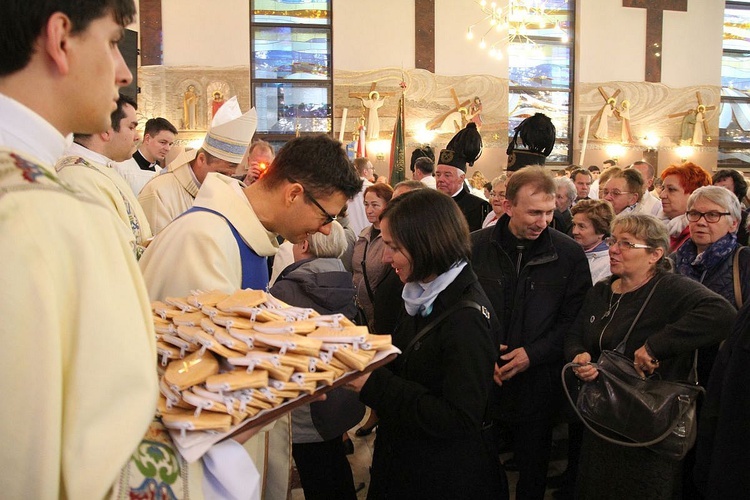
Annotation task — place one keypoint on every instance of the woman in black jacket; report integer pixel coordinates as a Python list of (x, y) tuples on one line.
[(680, 317), (432, 400)]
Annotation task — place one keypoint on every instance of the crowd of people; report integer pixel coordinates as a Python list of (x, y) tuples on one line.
[(488, 288)]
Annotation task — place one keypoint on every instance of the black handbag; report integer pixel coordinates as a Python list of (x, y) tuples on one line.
[(623, 408)]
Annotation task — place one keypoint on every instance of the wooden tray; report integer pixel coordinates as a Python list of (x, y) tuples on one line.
[(195, 444)]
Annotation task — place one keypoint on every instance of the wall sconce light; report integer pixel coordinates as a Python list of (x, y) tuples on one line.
[(651, 141), (615, 151), (424, 136), (684, 152), (379, 148)]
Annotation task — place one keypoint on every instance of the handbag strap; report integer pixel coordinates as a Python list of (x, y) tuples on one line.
[(432, 324), (684, 407), (364, 275), (736, 278), (637, 317)]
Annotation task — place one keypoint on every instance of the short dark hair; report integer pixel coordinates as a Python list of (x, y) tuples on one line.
[(318, 162), (156, 125), (115, 118), (361, 163), (594, 168), (599, 212), (23, 21), (431, 228), (740, 184), (425, 165), (421, 152), (580, 171), (119, 113)]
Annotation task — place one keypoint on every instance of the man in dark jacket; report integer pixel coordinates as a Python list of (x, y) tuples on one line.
[(536, 279)]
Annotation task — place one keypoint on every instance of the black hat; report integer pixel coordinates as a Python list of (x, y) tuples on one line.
[(538, 136), (465, 147), (421, 152)]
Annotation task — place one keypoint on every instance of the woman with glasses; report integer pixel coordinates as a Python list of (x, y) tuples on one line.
[(708, 255), (497, 196), (678, 182), (680, 317)]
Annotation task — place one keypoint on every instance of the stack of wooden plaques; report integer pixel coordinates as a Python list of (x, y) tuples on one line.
[(225, 359)]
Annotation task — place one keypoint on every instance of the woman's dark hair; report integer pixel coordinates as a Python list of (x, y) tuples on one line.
[(740, 184), (430, 227)]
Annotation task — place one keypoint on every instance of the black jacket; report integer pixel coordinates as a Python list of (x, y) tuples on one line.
[(536, 304), (432, 406), (474, 208)]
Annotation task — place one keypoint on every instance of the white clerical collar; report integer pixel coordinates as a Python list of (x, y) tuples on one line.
[(76, 149), (25, 131)]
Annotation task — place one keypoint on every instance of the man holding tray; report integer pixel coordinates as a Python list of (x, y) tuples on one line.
[(222, 244), (78, 381)]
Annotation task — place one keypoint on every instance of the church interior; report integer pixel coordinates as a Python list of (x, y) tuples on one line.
[(620, 81), (664, 81)]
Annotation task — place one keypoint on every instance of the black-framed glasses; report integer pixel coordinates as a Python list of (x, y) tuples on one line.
[(328, 217), (711, 217), (624, 244)]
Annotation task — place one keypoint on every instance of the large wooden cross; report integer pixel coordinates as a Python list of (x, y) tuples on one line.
[(654, 26)]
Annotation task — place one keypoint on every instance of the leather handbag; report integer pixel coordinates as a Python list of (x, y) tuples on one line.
[(623, 408)]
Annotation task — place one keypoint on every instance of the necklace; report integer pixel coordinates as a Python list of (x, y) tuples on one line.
[(612, 309)]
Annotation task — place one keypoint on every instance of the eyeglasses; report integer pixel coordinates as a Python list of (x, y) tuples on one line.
[(614, 192), (624, 244), (711, 217), (328, 217), (497, 195)]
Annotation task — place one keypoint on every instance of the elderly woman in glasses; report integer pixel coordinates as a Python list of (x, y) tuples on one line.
[(624, 190), (678, 182), (497, 196), (711, 253), (680, 317)]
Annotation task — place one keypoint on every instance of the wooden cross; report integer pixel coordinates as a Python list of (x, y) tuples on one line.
[(436, 123), (696, 110), (606, 98), (654, 26)]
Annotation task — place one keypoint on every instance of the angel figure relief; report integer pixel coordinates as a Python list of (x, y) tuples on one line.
[(607, 111), (623, 114)]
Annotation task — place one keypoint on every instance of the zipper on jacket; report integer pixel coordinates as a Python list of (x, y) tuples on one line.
[(519, 248)]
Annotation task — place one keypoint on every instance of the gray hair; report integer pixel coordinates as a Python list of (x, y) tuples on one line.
[(649, 229), (570, 187), (500, 179), (331, 245), (719, 195)]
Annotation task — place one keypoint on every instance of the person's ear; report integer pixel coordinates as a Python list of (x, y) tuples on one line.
[(292, 191), (304, 246), (56, 41), (107, 136)]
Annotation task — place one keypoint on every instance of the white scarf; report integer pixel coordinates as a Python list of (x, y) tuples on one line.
[(419, 296)]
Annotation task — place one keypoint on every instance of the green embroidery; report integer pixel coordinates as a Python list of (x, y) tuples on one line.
[(154, 458)]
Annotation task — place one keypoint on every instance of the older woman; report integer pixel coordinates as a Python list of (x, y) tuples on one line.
[(565, 194), (497, 196), (707, 256), (680, 317), (317, 279), (624, 190), (678, 182), (591, 221), (367, 258), (432, 400)]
